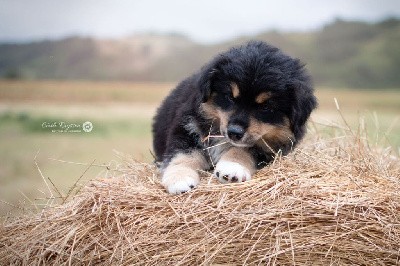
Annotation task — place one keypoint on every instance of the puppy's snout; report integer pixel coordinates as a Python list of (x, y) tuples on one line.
[(235, 132)]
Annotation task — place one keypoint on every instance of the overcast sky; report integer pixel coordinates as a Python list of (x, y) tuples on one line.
[(202, 20)]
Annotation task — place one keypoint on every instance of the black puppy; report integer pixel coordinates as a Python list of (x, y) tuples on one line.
[(244, 107)]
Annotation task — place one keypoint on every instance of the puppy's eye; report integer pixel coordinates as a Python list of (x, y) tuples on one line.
[(229, 97), (266, 108)]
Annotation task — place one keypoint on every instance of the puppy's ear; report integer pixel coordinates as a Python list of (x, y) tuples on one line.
[(204, 82), (304, 102), (208, 74)]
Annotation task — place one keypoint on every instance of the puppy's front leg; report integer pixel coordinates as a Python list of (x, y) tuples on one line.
[(235, 165), (180, 175)]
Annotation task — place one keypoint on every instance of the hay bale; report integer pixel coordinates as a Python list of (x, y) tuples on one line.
[(332, 201)]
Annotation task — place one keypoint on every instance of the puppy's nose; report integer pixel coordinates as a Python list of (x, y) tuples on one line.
[(235, 132)]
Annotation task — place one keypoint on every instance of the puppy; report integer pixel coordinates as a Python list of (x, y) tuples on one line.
[(235, 115)]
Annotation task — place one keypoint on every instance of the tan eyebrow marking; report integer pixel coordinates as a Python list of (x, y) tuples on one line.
[(235, 90), (262, 97)]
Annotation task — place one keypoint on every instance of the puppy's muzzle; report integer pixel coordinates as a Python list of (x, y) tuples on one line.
[(235, 132)]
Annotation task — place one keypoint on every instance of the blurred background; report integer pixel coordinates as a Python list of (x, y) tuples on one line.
[(110, 63)]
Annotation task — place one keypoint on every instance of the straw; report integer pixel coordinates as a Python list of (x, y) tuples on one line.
[(332, 201)]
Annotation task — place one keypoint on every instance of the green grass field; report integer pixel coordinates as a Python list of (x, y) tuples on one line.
[(121, 114)]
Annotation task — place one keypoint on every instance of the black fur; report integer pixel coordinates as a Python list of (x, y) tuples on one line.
[(255, 67)]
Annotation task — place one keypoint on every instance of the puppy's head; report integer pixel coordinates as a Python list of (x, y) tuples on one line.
[(259, 95)]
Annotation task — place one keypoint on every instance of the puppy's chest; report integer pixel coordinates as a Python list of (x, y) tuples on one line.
[(215, 148), (209, 139)]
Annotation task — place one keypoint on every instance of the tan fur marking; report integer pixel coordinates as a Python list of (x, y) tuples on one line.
[(262, 97), (235, 90), (177, 173), (209, 110), (241, 156), (224, 118), (271, 133), (194, 160), (181, 173)]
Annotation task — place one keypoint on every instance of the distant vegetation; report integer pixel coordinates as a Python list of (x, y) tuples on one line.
[(341, 54)]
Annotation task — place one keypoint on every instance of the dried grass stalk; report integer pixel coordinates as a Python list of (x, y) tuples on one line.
[(331, 202)]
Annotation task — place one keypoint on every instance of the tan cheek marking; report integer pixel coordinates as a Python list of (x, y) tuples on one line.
[(209, 110), (235, 90), (224, 118), (241, 156), (271, 133), (262, 97)]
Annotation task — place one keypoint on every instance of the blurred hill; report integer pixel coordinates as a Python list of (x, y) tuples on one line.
[(342, 54)]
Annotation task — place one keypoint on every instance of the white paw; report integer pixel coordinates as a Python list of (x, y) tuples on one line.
[(227, 171), (178, 180)]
